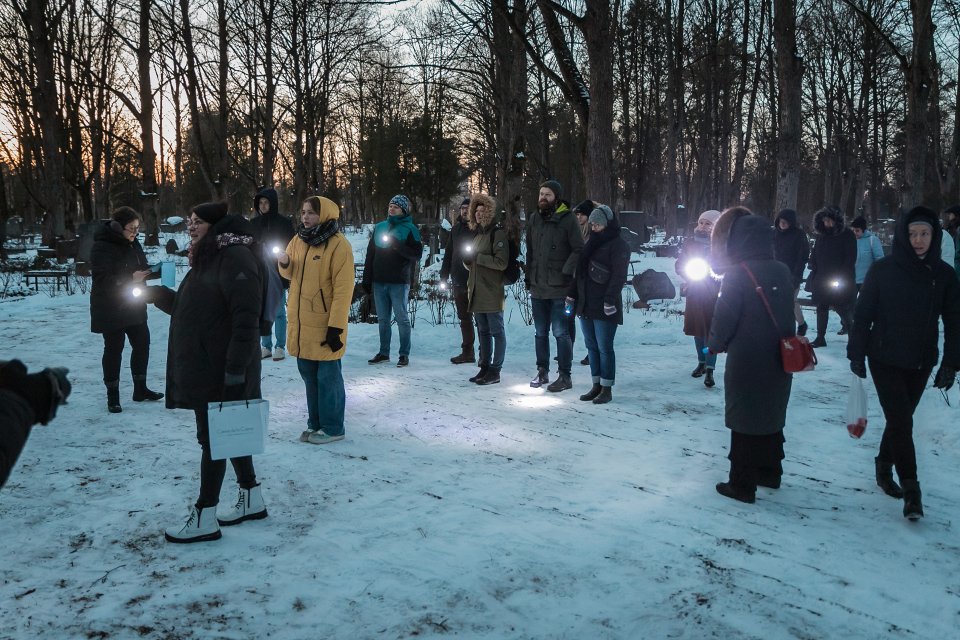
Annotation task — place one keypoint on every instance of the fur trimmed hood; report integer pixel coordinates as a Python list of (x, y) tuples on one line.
[(839, 224), (476, 200)]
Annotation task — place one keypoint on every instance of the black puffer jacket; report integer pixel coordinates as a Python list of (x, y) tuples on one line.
[(601, 274), (214, 319), (901, 302), (461, 236), (271, 229), (790, 246), (113, 260), (833, 260), (17, 419)]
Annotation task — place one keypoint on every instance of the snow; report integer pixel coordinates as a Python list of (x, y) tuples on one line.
[(479, 512)]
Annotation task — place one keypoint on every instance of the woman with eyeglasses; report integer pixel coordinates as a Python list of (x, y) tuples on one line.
[(117, 310)]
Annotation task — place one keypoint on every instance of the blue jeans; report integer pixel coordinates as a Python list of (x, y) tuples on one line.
[(598, 336), (710, 359), (391, 299), (548, 315), (279, 326), (326, 398), (493, 339)]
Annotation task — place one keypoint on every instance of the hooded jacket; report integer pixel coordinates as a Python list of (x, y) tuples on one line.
[(460, 236), (869, 251), (491, 252), (701, 295), (553, 250), (113, 260), (271, 229), (601, 274), (833, 260), (903, 298), (321, 289), (790, 246), (394, 248)]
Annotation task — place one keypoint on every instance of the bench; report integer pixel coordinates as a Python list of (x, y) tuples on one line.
[(56, 277)]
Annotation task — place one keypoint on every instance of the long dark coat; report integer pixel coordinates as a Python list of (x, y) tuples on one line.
[(601, 274), (790, 246), (214, 321), (17, 419), (113, 260), (833, 259), (460, 237), (701, 295), (756, 388), (901, 302)]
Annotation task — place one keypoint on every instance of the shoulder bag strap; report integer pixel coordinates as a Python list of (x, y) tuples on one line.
[(760, 293)]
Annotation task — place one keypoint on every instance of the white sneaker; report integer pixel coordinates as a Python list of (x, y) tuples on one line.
[(305, 436), (249, 506), (278, 354), (319, 437), (264, 353), (200, 527)]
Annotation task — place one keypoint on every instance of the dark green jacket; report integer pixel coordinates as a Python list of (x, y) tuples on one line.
[(553, 250)]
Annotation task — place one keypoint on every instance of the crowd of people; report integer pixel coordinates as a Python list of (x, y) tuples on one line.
[(261, 288)]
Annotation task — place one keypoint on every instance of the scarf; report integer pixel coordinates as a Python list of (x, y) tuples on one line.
[(317, 236), (596, 240), (206, 247)]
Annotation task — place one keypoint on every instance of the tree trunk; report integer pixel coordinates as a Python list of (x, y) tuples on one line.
[(789, 82), (148, 156), (921, 74), (510, 91)]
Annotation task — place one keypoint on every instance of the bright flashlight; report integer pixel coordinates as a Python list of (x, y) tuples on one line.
[(835, 284), (443, 286), (385, 238), (697, 269), (468, 249), (276, 250), (136, 292)]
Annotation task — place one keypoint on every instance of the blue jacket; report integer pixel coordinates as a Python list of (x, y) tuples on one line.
[(394, 248), (869, 251)]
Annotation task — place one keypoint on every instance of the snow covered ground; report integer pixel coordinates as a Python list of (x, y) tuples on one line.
[(475, 512)]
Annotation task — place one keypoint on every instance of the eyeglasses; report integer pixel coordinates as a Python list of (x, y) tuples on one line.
[(196, 222), (132, 229)]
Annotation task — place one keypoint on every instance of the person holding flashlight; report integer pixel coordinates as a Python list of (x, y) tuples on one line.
[(118, 306), (460, 237), (832, 279), (700, 287), (273, 231)]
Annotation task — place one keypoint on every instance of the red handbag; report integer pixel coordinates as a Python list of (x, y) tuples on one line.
[(795, 351)]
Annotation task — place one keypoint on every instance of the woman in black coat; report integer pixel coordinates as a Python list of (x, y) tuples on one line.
[(701, 286), (791, 247), (895, 326), (594, 295), (119, 265), (832, 279), (214, 353), (756, 388)]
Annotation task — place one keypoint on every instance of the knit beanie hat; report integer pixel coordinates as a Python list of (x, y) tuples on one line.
[(859, 222), (602, 215), (711, 214), (554, 186), (211, 212), (585, 208), (403, 202), (465, 202)]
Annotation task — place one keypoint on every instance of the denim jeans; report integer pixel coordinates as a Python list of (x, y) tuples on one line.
[(493, 339), (710, 359), (326, 398), (279, 326), (548, 315), (598, 337), (391, 299)]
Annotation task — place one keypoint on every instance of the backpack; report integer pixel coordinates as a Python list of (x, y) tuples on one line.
[(512, 273)]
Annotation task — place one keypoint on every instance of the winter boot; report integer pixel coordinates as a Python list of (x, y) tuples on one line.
[(141, 392), (585, 361), (562, 383), (819, 342), (708, 380), (377, 359), (605, 395), (492, 376), (465, 357), (737, 493), (480, 374), (200, 527), (802, 329), (249, 506), (699, 371), (113, 396), (768, 478), (593, 393), (885, 478), (540, 379), (912, 506)]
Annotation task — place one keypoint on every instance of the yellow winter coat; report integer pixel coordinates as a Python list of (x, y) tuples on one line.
[(321, 288)]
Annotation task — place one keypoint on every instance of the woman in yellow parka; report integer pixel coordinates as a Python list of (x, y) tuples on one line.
[(318, 262)]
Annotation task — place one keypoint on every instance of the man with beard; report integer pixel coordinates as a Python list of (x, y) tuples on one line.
[(553, 250)]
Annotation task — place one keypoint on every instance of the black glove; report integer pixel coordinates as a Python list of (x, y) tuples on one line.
[(234, 387), (859, 368), (44, 391), (333, 339), (945, 377)]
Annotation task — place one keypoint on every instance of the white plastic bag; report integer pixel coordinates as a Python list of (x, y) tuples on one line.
[(856, 408)]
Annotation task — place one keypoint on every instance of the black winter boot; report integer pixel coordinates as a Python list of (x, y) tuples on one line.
[(540, 379), (708, 380), (562, 383), (492, 376), (480, 374), (113, 396), (912, 505), (605, 395), (465, 357), (802, 329), (819, 342), (699, 371), (141, 392), (737, 493), (593, 393), (885, 478)]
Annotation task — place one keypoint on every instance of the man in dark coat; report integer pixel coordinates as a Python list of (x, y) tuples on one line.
[(459, 238), (791, 247), (896, 328), (554, 243), (756, 388), (832, 279), (272, 230)]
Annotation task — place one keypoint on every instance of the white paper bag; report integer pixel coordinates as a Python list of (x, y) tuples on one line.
[(237, 428)]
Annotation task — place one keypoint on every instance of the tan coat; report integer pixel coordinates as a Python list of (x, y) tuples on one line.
[(321, 288)]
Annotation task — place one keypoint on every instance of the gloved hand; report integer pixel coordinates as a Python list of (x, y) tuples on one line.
[(44, 391), (333, 339), (234, 386), (946, 375), (609, 309), (859, 368)]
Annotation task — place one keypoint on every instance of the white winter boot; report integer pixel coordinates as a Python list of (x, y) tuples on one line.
[(249, 507), (200, 527)]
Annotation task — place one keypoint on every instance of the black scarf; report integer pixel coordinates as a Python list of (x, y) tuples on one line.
[(317, 236), (595, 240)]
